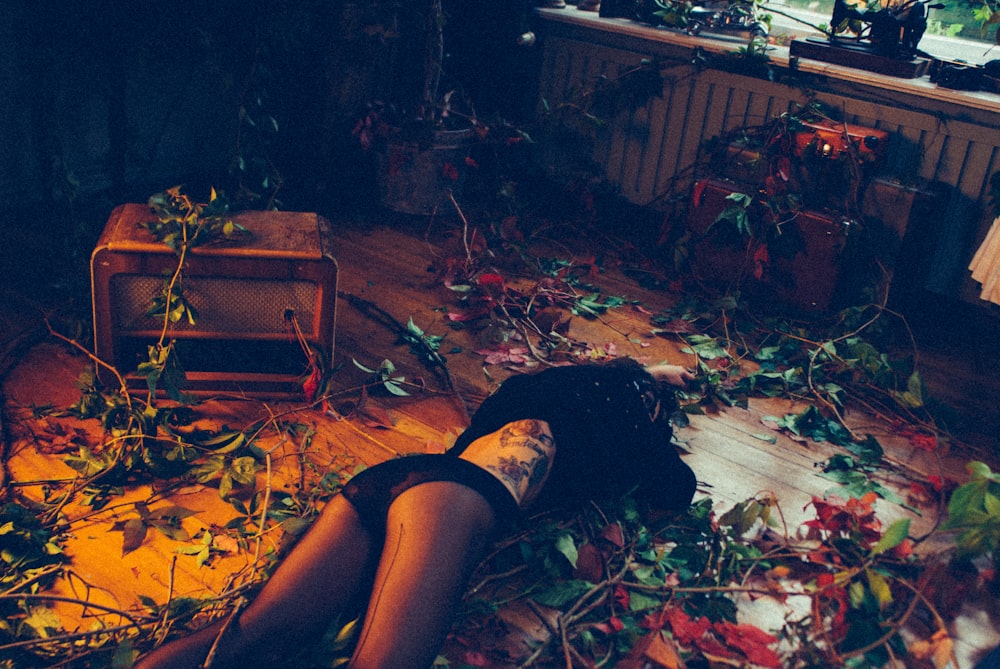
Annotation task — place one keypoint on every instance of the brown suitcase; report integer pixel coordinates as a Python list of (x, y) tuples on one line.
[(799, 269)]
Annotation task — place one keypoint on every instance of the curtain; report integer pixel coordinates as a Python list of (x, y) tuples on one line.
[(985, 264)]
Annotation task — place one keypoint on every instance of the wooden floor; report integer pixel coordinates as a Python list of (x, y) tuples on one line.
[(393, 266)]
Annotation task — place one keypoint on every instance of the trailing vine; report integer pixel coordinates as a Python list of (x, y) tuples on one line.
[(610, 587)]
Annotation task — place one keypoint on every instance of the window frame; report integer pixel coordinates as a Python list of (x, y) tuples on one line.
[(626, 30)]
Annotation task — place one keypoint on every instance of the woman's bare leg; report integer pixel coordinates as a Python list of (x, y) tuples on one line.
[(436, 535), (318, 579)]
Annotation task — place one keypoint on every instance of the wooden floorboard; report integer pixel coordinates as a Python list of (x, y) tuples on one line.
[(736, 454)]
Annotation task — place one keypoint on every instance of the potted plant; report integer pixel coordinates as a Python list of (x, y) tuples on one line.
[(423, 130)]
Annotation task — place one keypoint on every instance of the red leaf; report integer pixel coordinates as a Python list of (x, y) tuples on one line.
[(468, 314), (925, 442), (490, 279), (612, 533), (770, 186), (311, 385), (686, 630), (655, 621), (621, 596), (589, 564), (476, 659), (449, 172), (752, 641), (614, 625), (509, 230), (761, 259), (699, 190), (903, 550)]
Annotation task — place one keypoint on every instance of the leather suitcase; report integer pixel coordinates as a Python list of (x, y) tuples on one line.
[(807, 264), (799, 269)]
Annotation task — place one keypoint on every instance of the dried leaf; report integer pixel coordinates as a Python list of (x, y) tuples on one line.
[(134, 532), (372, 415), (938, 648), (655, 647)]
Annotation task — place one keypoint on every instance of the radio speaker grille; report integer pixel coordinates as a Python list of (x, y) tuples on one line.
[(225, 305)]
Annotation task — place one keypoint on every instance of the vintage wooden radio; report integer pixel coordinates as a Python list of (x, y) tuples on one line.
[(252, 293), (829, 139)]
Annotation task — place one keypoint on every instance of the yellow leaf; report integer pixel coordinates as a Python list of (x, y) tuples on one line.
[(879, 587)]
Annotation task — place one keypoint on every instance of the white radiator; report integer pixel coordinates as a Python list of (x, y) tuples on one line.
[(649, 153)]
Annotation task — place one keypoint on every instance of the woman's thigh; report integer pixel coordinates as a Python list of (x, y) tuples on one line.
[(436, 535), (324, 572)]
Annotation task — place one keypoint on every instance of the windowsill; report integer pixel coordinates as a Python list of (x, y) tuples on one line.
[(921, 87)]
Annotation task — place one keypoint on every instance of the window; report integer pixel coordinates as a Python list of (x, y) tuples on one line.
[(953, 32)]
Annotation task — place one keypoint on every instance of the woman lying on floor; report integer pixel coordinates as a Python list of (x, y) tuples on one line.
[(404, 537)]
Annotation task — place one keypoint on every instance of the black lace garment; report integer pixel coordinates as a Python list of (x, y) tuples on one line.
[(610, 423)]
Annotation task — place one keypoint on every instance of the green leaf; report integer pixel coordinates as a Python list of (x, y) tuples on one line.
[(894, 535), (913, 397), (125, 655), (392, 385), (991, 503), (243, 470), (345, 635), (856, 594), (44, 621), (980, 471), (362, 367), (225, 485), (707, 348), (224, 442), (639, 601), (566, 545), (561, 593), (412, 327), (208, 468)]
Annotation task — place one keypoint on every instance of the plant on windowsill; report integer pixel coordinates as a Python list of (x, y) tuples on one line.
[(422, 131)]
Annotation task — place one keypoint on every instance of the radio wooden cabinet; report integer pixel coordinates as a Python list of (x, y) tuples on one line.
[(251, 293)]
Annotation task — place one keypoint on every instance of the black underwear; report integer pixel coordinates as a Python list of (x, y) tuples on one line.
[(372, 491)]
